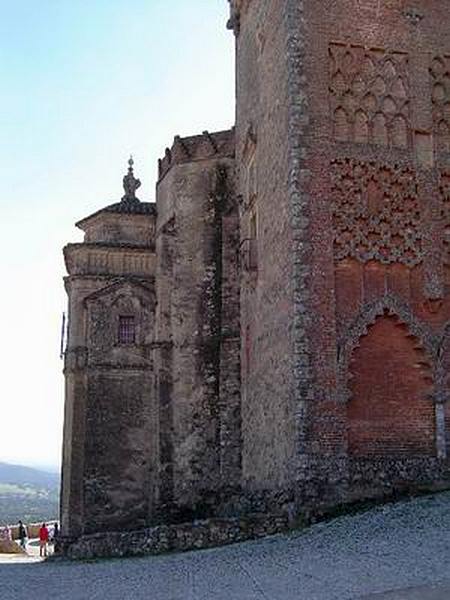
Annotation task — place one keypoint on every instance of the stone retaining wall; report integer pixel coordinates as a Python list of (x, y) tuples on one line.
[(169, 538), (10, 547)]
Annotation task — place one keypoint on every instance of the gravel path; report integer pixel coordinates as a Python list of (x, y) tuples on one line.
[(373, 556)]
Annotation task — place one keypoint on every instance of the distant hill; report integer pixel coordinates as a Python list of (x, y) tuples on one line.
[(28, 494)]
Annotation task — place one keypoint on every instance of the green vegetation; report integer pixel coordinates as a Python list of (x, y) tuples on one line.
[(27, 494), (14, 490)]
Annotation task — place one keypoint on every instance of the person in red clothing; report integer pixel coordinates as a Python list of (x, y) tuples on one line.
[(43, 540)]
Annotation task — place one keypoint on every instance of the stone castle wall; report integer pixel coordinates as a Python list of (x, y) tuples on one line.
[(268, 388), (173, 538), (293, 293), (198, 326)]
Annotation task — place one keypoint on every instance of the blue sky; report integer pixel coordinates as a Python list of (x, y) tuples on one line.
[(84, 83)]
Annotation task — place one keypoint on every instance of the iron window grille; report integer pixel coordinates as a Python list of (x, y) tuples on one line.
[(127, 330)]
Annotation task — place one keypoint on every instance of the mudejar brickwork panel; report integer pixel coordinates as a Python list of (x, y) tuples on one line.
[(285, 303)]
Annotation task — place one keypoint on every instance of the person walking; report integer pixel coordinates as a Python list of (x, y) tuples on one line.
[(22, 535), (43, 540), (55, 532)]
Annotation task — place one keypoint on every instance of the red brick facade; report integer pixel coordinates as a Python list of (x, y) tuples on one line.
[(353, 285), (390, 411), (378, 156)]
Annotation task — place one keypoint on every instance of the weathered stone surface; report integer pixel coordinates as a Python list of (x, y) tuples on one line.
[(198, 326), (291, 287), (169, 538)]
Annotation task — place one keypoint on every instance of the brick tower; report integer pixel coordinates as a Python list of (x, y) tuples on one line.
[(343, 156)]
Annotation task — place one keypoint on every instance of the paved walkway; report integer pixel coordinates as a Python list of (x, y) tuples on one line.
[(31, 556), (398, 552), (434, 592)]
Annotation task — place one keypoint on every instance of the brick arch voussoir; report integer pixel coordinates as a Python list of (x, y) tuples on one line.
[(388, 305)]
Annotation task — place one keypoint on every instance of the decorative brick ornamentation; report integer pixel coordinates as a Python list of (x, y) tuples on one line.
[(440, 80), (390, 412), (369, 92), (388, 305), (376, 213), (434, 345)]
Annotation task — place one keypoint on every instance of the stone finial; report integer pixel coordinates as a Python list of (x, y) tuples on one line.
[(130, 184)]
